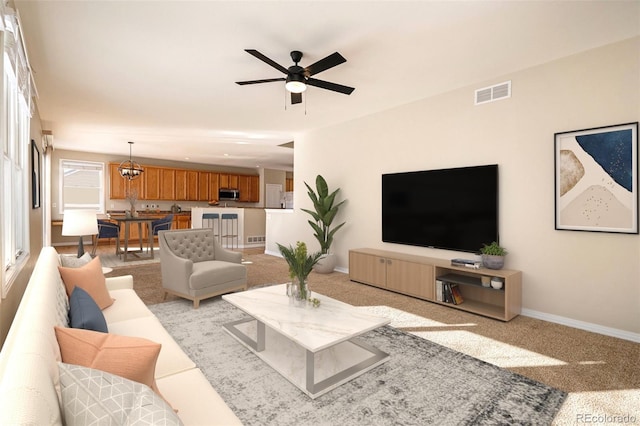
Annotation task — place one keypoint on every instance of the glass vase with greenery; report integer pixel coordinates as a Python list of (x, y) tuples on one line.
[(300, 265)]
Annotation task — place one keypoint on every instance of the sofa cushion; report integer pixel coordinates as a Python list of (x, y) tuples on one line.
[(90, 278), (131, 357), (73, 261), (172, 359), (128, 306), (91, 396), (224, 272), (84, 312)]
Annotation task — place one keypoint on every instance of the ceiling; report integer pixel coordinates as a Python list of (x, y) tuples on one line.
[(162, 73)]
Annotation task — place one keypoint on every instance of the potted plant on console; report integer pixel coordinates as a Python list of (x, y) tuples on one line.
[(493, 255), (323, 215)]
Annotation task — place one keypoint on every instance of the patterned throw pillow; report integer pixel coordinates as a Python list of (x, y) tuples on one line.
[(92, 396), (73, 261)]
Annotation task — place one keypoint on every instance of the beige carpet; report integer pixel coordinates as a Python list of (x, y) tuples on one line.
[(600, 373)]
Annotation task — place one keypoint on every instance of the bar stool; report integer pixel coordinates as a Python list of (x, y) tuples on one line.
[(212, 220), (229, 229)]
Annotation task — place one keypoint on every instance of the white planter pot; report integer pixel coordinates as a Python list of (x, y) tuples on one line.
[(326, 264)]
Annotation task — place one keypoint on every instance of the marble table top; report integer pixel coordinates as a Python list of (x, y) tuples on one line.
[(312, 328)]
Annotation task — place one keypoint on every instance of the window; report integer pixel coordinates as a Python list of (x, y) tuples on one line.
[(15, 117), (81, 185), (15, 231)]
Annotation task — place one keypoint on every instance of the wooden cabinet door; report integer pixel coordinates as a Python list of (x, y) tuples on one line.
[(243, 186), (289, 184), (254, 189), (117, 184), (192, 185), (410, 278), (368, 269), (168, 184), (224, 181), (214, 186), (203, 186), (181, 185), (234, 182), (151, 183), (184, 222)]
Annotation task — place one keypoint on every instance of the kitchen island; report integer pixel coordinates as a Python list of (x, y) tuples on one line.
[(250, 228)]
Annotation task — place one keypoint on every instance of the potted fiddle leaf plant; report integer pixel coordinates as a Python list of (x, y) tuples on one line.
[(493, 255), (325, 209)]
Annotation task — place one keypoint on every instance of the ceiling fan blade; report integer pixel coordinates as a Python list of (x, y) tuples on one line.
[(324, 64), (296, 98), (330, 86), (266, 60), (268, 80)]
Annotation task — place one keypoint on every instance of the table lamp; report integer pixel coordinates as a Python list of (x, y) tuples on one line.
[(78, 223)]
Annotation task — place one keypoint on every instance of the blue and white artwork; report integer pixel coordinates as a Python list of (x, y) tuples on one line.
[(596, 179)]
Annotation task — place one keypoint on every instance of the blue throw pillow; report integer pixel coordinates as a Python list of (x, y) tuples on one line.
[(84, 312)]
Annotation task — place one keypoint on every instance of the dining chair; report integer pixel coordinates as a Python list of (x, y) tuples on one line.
[(106, 229)]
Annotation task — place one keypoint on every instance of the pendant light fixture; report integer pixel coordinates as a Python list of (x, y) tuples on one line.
[(129, 169)]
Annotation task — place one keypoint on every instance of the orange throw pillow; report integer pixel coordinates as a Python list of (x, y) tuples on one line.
[(89, 278), (133, 358)]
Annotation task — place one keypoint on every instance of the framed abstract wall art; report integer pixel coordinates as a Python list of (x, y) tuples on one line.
[(596, 179)]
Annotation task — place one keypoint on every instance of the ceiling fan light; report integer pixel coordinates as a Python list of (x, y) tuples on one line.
[(295, 84)]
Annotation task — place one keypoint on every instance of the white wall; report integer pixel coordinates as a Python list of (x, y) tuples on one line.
[(590, 279)]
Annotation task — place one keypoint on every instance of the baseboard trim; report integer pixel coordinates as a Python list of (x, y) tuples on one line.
[(582, 325)]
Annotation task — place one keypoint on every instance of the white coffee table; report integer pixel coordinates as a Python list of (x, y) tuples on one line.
[(314, 348)]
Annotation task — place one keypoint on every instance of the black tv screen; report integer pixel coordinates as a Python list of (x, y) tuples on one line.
[(453, 209)]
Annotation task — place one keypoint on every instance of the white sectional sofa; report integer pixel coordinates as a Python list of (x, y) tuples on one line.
[(29, 372)]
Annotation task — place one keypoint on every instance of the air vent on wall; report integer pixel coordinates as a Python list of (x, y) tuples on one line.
[(493, 93)]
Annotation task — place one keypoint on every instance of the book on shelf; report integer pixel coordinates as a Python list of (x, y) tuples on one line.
[(456, 294), (439, 291)]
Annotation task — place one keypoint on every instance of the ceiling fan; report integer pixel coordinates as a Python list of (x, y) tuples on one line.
[(297, 78)]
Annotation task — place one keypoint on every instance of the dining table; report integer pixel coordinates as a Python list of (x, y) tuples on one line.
[(140, 220)]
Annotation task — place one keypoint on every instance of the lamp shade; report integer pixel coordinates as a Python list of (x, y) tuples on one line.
[(77, 223)]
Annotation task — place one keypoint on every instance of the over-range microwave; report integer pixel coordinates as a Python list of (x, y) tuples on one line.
[(228, 194)]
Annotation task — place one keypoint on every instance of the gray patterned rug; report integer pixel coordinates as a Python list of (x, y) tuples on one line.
[(422, 383)]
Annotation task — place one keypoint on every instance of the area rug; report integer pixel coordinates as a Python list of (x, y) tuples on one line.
[(422, 383), (115, 261)]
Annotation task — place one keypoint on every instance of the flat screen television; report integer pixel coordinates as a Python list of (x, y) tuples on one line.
[(452, 209)]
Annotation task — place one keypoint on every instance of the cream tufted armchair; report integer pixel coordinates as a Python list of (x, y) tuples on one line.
[(195, 266)]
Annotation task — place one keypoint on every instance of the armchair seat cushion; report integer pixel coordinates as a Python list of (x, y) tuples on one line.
[(206, 274)]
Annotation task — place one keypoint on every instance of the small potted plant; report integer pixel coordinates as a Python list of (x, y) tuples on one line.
[(493, 255), (300, 265), (325, 209)]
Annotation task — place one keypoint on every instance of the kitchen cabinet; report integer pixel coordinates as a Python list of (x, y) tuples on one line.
[(230, 181), (203, 186), (254, 189), (243, 186), (289, 184), (214, 186), (192, 185), (167, 184), (181, 185), (151, 183)]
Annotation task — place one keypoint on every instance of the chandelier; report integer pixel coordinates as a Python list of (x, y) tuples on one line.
[(129, 169)]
